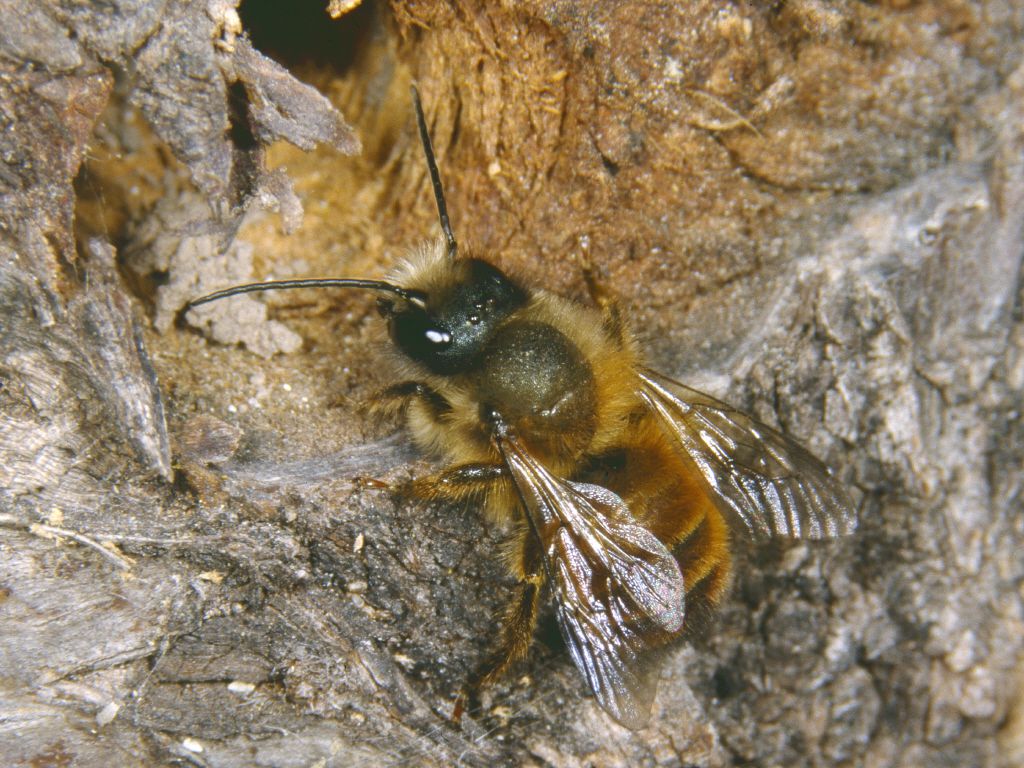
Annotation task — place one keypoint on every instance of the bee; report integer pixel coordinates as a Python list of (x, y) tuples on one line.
[(620, 488)]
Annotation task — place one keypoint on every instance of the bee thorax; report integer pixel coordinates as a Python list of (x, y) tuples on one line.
[(540, 384)]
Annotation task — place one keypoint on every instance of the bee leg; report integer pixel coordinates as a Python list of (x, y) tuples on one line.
[(392, 401), (459, 483), (519, 619), (602, 297)]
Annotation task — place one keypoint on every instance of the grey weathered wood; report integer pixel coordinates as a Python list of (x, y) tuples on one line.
[(211, 594)]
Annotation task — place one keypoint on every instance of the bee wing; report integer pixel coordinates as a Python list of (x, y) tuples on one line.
[(618, 587), (774, 486)]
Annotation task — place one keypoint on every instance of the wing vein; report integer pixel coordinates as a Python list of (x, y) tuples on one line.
[(768, 483)]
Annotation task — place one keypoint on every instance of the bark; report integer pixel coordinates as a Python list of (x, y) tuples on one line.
[(812, 210)]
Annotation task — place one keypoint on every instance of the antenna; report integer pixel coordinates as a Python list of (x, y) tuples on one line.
[(413, 297), (417, 298), (435, 177)]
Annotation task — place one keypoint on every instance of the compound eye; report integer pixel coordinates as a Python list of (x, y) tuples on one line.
[(421, 337), (438, 339)]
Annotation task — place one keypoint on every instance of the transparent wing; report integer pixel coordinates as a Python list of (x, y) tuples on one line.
[(619, 591), (769, 482)]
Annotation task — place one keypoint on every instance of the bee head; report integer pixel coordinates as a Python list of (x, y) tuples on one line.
[(445, 328), (443, 314)]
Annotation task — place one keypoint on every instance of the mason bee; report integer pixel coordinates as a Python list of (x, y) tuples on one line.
[(620, 487)]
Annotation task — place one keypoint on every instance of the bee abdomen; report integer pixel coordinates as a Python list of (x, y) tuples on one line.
[(704, 558)]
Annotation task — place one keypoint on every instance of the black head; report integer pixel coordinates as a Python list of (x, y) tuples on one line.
[(446, 329)]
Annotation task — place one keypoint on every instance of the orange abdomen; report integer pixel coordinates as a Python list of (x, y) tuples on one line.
[(665, 495)]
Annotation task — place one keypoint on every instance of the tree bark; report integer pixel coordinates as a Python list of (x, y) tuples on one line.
[(812, 210)]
